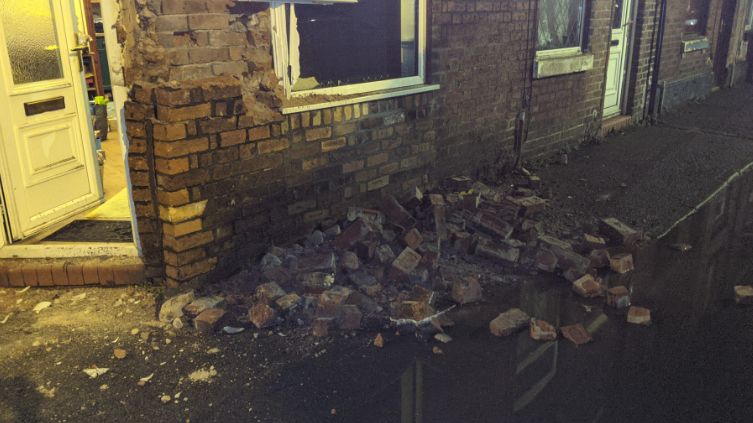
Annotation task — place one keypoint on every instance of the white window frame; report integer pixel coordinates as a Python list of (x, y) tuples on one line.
[(285, 43), (749, 18), (565, 51)]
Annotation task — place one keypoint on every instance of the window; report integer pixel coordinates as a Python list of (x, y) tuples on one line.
[(561, 25), (350, 48), (696, 12), (749, 18)]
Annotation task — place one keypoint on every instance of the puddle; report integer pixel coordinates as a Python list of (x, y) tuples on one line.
[(692, 364)]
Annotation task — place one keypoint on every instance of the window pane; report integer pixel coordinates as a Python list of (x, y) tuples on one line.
[(560, 23), (695, 17), (31, 40), (372, 40), (618, 14)]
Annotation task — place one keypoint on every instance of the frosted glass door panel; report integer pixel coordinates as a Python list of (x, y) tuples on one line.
[(31, 40)]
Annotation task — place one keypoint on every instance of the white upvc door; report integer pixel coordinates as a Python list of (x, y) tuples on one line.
[(617, 58), (48, 166)]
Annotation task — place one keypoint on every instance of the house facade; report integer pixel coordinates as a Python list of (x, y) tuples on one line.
[(248, 123)]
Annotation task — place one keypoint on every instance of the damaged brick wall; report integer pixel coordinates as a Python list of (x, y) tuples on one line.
[(219, 173)]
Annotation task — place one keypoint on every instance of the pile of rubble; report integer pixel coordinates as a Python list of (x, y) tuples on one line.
[(383, 266)]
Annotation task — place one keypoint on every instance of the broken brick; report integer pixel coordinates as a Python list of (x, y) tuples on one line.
[(349, 261), (415, 199), (599, 258), (492, 225), (594, 242), (639, 316), (466, 290), (587, 287), (622, 263), (618, 231), (366, 249), (262, 315), (288, 302), (326, 262), (464, 243), (321, 326), (406, 261), (331, 301), (316, 281), (413, 238), (207, 320), (576, 334), (374, 218), (509, 322), (546, 261), (744, 294), (269, 291), (351, 235), (618, 297), (396, 213), (350, 319), (541, 330), (529, 205), (503, 252), (439, 213)]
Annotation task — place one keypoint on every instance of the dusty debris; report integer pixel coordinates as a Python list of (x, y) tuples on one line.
[(379, 341), (5, 319), (198, 305), (95, 372), (41, 306), (119, 353), (165, 399), (509, 322), (576, 334), (443, 338), (618, 297), (639, 316), (681, 247), (436, 350), (172, 308), (203, 375), (231, 330), (744, 294), (144, 380), (541, 330)]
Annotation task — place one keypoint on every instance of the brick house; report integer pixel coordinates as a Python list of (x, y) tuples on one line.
[(250, 122)]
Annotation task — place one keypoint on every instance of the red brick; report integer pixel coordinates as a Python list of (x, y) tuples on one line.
[(30, 274), (16, 276), (44, 274), (75, 273), (90, 273)]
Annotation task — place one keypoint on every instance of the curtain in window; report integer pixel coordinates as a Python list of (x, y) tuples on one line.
[(560, 24)]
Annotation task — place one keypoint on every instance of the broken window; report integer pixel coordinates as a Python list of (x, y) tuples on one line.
[(560, 24), (351, 48), (696, 12)]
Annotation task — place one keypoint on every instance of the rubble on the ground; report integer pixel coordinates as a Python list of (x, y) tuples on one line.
[(387, 266), (639, 316), (576, 334), (744, 294), (618, 297), (541, 330)]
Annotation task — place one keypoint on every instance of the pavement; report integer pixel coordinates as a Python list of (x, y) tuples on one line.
[(651, 177)]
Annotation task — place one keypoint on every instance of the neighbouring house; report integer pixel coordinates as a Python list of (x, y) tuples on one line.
[(246, 123)]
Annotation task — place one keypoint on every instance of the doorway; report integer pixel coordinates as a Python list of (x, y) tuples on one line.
[(61, 174), (617, 58), (721, 51)]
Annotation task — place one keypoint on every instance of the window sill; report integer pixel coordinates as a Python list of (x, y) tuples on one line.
[(695, 44), (374, 96), (554, 65)]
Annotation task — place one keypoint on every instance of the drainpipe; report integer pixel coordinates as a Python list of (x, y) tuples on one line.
[(653, 113), (523, 118)]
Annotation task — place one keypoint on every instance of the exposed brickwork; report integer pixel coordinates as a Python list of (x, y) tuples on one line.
[(219, 172)]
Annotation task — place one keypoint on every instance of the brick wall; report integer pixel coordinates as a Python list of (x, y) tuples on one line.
[(219, 172)]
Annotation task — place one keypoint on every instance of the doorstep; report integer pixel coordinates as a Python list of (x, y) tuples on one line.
[(615, 124), (109, 271)]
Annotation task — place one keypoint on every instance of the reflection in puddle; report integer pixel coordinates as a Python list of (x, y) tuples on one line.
[(692, 364)]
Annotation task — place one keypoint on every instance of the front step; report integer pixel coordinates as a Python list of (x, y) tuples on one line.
[(104, 271)]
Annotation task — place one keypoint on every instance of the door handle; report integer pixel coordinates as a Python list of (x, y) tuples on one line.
[(81, 48)]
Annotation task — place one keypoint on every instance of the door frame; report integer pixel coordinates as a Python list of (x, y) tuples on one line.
[(110, 12), (628, 70)]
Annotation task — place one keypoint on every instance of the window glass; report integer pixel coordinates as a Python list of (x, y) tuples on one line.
[(372, 40), (695, 17), (749, 18), (560, 24), (31, 40)]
